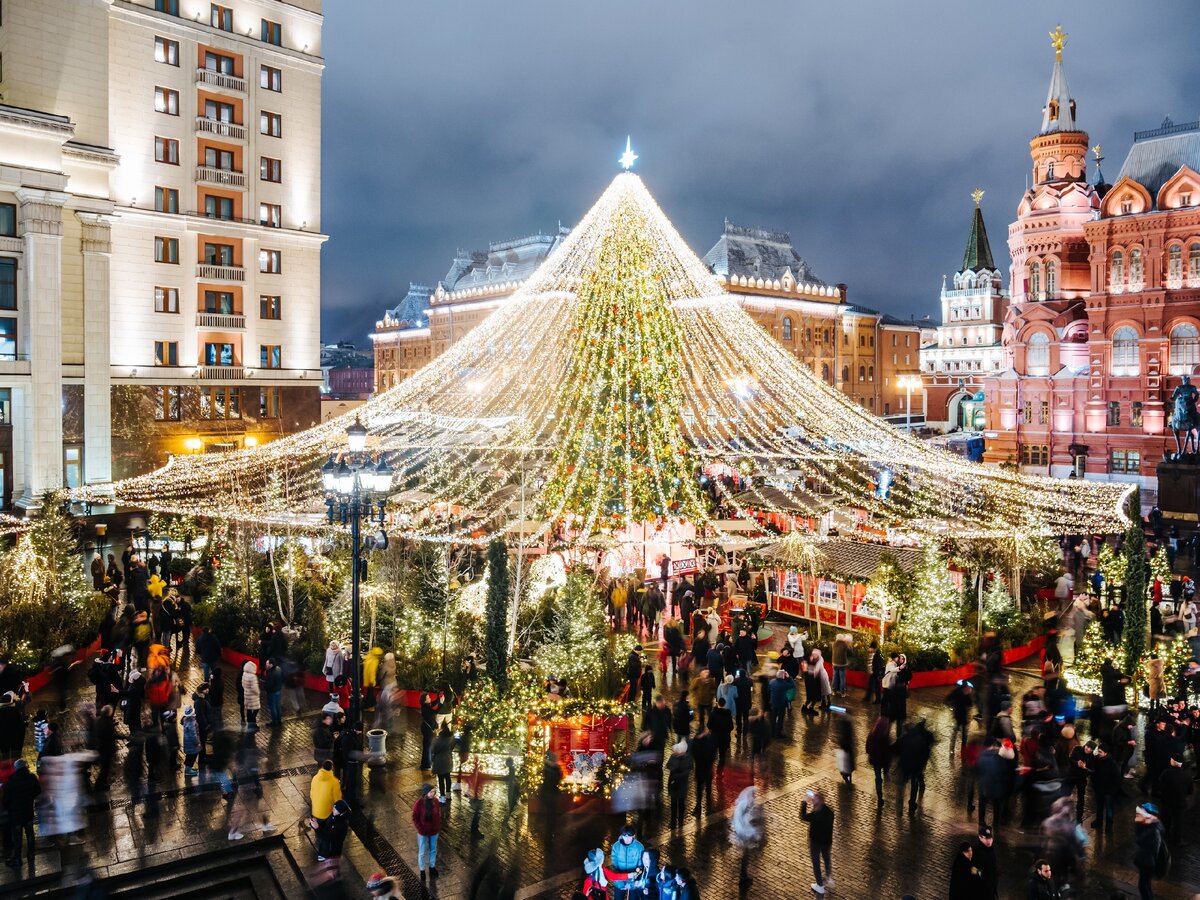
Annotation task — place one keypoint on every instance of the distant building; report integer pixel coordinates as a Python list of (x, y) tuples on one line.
[(968, 344), (1105, 313)]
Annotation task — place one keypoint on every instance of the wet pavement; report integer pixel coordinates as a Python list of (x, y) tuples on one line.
[(880, 851)]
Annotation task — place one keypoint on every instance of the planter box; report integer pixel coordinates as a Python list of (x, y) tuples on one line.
[(39, 680), (407, 698), (942, 677)]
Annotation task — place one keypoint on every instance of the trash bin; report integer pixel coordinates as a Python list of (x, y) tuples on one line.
[(376, 747)]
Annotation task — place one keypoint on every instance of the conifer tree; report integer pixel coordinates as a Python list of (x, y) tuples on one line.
[(932, 615), (1135, 596), (495, 642), (577, 640)]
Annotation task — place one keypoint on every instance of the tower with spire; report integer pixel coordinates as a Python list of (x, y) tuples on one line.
[(968, 346)]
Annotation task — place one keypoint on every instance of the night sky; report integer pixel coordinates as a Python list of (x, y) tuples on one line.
[(860, 127)]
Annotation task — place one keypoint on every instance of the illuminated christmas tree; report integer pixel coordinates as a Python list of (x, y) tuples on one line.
[(577, 641), (932, 615), (1000, 611), (1136, 624)]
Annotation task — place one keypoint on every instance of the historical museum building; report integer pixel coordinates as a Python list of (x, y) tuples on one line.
[(968, 345), (1105, 313), (861, 351), (173, 235)]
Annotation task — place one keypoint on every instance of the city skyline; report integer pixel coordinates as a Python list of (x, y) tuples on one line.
[(488, 149)]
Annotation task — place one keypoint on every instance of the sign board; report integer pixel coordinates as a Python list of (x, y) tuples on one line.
[(683, 566)]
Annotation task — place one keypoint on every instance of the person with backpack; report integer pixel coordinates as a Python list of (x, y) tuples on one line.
[(161, 683), (1152, 858)]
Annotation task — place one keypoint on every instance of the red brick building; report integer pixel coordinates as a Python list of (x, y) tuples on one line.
[(1105, 312)]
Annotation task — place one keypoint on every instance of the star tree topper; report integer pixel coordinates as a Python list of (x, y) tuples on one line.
[(627, 158)]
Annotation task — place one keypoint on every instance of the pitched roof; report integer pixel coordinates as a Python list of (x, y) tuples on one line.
[(1158, 154), (414, 308), (979, 252), (759, 253), (1059, 112), (513, 260)]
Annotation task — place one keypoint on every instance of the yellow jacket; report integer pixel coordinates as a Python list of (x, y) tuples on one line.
[(371, 667), (155, 585), (325, 791)]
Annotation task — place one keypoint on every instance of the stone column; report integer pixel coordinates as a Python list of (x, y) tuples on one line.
[(39, 224), (97, 391)]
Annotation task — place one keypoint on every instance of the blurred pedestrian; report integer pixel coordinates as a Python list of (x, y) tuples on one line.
[(21, 792), (323, 791), (679, 770), (251, 693), (331, 832), (746, 831), (879, 752)]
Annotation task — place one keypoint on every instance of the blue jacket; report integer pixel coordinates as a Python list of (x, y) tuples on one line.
[(778, 691)]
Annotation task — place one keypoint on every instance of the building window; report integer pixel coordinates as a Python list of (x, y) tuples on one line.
[(219, 354), (907, 340), (218, 207), (219, 303), (218, 254), (268, 403), (1114, 413), (1194, 265), (166, 200), (220, 63), (166, 51), (166, 353), (166, 250), (220, 403), (870, 373), (862, 340), (1126, 207), (270, 169), (166, 403), (269, 356), (787, 328), (170, 7), (845, 374), (825, 372), (270, 214), (215, 158), (808, 335), (1135, 269), (166, 101), (1116, 272), (1035, 455), (270, 261), (1051, 279), (1125, 357), (1175, 265), (166, 150), (270, 307), (220, 112), (270, 124), (72, 465), (1027, 413), (1127, 461), (862, 373), (220, 17), (1035, 280), (272, 32), (1037, 357), (8, 338), (8, 282), (1044, 413), (166, 300), (1185, 348), (270, 79), (1135, 414), (8, 219)]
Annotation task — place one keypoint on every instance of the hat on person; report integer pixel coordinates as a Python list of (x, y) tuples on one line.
[(426, 788), (1147, 809), (189, 712), (378, 882), (985, 831), (331, 708), (680, 747), (793, 630), (20, 764), (593, 862), (342, 808)]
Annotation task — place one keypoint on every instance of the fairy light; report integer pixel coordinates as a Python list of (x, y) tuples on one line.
[(617, 371)]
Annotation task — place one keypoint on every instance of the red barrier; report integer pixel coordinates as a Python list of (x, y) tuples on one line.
[(941, 677), (408, 699), (39, 680)]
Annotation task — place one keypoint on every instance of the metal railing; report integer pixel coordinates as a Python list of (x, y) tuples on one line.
[(220, 128), (223, 177), (223, 373), (221, 80), (220, 273), (220, 320)]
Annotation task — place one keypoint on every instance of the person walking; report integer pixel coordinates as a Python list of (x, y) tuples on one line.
[(430, 707), (679, 770), (427, 820), (331, 832), (875, 670), (913, 751), (720, 725), (1151, 856), (1174, 786), (191, 742), (704, 751), (841, 662), (681, 719), (252, 693), (443, 761), (984, 859), (21, 791), (324, 791), (820, 838), (274, 686), (961, 701), (879, 752), (844, 752), (966, 881), (746, 831), (1042, 883), (745, 699), (778, 692), (1106, 785)]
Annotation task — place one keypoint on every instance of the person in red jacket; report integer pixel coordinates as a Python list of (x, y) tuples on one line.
[(427, 819)]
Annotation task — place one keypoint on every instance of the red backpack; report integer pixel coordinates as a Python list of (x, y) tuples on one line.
[(158, 689)]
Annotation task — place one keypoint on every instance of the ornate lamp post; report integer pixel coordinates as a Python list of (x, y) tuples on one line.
[(908, 382), (356, 489)]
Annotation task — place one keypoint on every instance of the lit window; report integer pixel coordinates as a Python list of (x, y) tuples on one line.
[(166, 51), (166, 101), (270, 124), (1194, 265), (1135, 414), (1037, 359), (1035, 455), (1027, 413), (219, 354), (862, 373), (1185, 348), (269, 356), (220, 63), (166, 200), (270, 169), (218, 207), (1114, 413), (215, 158), (1116, 275), (219, 112), (1035, 280), (166, 404), (270, 214), (166, 300), (220, 17), (166, 150), (166, 353), (218, 254), (787, 328), (270, 261), (166, 250), (1051, 279), (1125, 356), (270, 79), (270, 307), (268, 403), (219, 303), (1126, 461), (1175, 265), (1044, 413), (1135, 269)]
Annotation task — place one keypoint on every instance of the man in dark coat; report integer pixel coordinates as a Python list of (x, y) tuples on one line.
[(681, 719), (720, 724), (208, 648), (633, 672), (745, 699), (703, 748), (912, 752), (747, 650), (20, 793), (984, 859), (657, 720), (1106, 784), (1174, 787), (12, 726), (966, 881)]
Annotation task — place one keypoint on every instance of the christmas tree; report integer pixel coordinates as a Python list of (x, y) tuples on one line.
[(495, 641), (1160, 568), (1175, 655), (621, 459), (1112, 564), (1000, 611), (1085, 670), (932, 615), (577, 638)]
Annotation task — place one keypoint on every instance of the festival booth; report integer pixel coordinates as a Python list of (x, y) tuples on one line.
[(783, 511), (585, 744), (827, 581)]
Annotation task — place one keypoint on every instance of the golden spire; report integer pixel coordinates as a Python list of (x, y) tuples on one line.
[(977, 195), (1058, 39), (1096, 153)]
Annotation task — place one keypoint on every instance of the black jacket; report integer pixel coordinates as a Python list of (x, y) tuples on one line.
[(720, 723), (966, 882), (20, 792), (820, 823), (658, 723), (984, 859), (1043, 889)]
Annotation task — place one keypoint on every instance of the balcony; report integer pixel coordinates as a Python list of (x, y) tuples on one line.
[(221, 321), (223, 373), (210, 272), (223, 177), (221, 129), (221, 80)]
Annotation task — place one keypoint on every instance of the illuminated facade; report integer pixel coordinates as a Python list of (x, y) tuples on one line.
[(860, 351), (968, 346), (212, 114), (1106, 303)]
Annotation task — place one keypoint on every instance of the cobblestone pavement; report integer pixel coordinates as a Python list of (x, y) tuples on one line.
[(879, 851)]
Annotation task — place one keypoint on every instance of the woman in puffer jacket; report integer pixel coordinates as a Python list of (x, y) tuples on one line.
[(251, 689)]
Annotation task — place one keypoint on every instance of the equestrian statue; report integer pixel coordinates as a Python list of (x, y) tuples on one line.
[(1185, 418)]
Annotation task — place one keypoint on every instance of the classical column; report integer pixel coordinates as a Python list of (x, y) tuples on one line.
[(97, 391), (39, 224)]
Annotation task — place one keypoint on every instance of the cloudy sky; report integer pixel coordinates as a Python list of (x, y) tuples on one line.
[(861, 126)]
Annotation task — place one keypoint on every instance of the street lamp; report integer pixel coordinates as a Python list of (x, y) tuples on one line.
[(356, 489), (908, 382)]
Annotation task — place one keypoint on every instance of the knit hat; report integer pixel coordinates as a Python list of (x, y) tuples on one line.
[(1147, 809), (593, 862), (331, 708), (342, 808), (378, 881), (189, 712), (793, 630), (426, 788)]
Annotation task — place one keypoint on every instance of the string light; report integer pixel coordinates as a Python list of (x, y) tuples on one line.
[(616, 372)]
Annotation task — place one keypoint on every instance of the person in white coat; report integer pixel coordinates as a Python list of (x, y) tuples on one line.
[(796, 639), (252, 693), (333, 664)]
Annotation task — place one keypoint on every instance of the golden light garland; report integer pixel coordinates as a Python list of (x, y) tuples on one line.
[(546, 386)]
